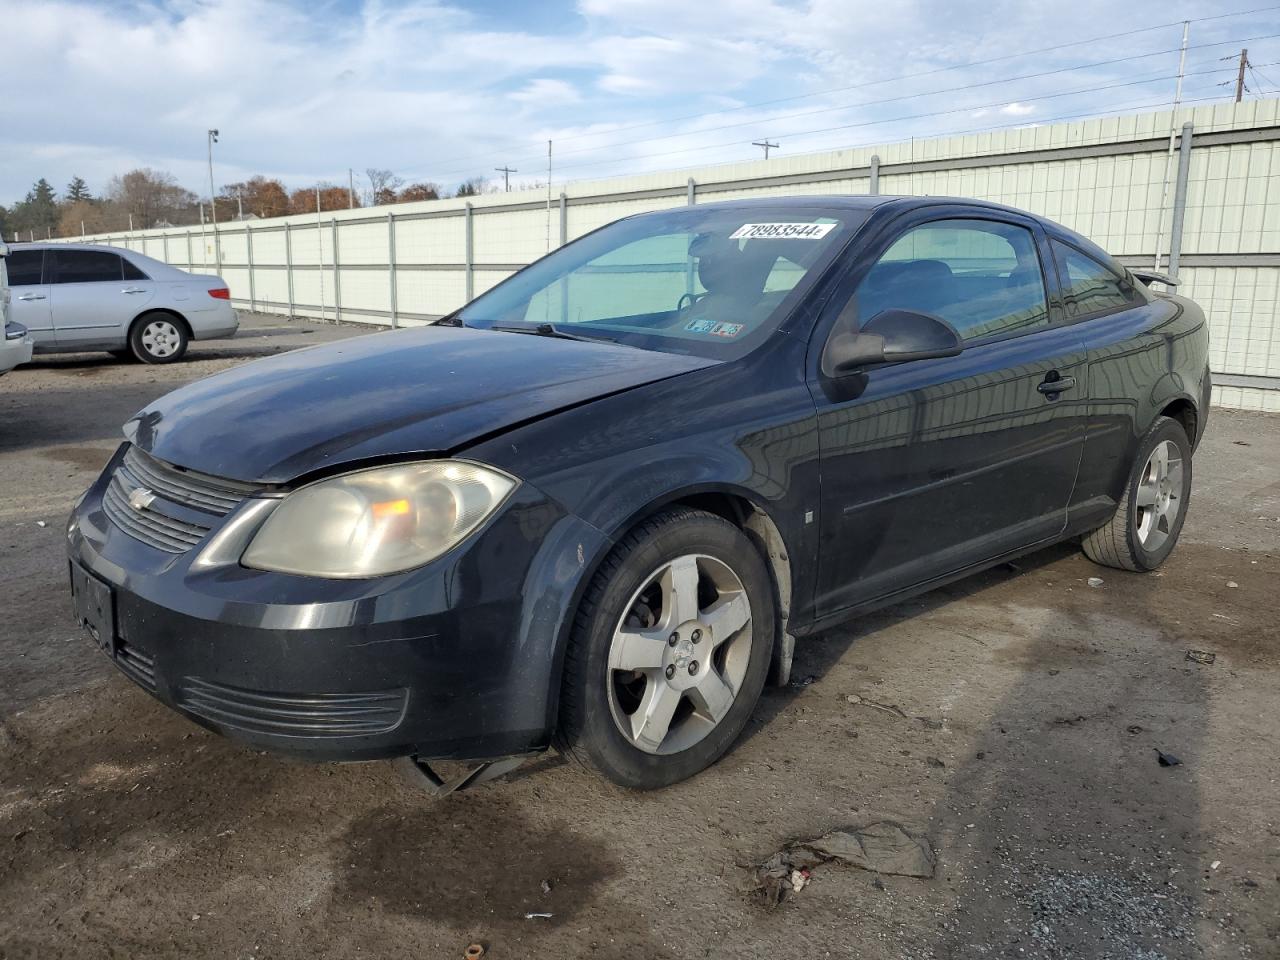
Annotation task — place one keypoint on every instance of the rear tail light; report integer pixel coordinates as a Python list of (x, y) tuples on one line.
[(220, 293)]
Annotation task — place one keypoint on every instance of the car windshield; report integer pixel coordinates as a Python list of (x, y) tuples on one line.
[(712, 282)]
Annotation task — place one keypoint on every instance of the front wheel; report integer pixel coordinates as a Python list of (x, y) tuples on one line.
[(1149, 518), (158, 338), (669, 651)]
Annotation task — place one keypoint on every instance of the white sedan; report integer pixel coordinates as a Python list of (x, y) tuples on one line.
[(79, 297)]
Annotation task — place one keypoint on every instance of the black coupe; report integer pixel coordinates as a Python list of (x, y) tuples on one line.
[(595, 507)]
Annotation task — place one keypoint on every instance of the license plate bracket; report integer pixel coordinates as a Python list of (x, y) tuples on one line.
[(95, 607)]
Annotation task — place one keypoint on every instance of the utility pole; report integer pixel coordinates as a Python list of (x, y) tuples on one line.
[(506, 177), (239, 205), (1244, 62), (213, 204), (765, 144), (1173, 119), (351, 189)]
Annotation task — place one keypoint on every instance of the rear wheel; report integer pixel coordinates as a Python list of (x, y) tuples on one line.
[(1149, 518), (669, 651), (158, 338)]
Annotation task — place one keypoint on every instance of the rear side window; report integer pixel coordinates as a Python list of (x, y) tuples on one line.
[(1089, 286), (85, 266), (981, 276), (132, 271), (24, 267)]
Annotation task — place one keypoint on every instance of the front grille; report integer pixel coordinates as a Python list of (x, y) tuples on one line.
[(211, 494), (161, 532), (299, 715), (208, 496), (140, 668)]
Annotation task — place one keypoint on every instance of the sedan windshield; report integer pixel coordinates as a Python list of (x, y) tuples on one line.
[(712, 282)]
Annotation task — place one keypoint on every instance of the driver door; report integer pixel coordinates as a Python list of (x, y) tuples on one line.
[(931, 466)]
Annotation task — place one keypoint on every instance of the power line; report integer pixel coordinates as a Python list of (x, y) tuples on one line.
[(894, 99), (935, 113), (1089, 114), (911, 76)]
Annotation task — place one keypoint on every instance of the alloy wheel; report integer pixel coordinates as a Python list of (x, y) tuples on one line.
[(1159, 495), (679, 655)]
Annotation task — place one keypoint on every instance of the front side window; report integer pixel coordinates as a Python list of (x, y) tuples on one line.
[(981, 276), (24, 267), (85, 266), (1089, 286), (711, 283)]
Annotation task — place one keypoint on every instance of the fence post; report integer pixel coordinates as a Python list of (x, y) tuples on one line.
[(288, 264), (874, 189), (564, 219), (1180, 199), (691, 196), (164, 248), (391, 263), (470, 254), (337, 279), (248, 248)]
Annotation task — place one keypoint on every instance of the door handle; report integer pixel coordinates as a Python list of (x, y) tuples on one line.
[(32, 296), (1051, 387), (133, 290)]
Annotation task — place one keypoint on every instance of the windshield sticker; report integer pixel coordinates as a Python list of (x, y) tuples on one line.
[(782, 231), (714, 328)]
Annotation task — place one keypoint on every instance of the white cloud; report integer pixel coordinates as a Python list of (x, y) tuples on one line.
[(439, 89)]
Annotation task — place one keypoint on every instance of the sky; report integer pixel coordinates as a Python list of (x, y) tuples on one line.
[(303, 90)]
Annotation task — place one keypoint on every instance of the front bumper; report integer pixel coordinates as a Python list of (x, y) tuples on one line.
[(456, 660)]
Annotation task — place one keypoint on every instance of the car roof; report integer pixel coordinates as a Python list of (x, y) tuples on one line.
[(860, 201)]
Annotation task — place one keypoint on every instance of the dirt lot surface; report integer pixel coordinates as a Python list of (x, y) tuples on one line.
[(1013, 719)]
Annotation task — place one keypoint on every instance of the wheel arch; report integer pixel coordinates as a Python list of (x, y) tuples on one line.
[(745, 511)]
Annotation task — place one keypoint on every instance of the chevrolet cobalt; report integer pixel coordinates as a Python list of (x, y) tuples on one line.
[(595, 507)]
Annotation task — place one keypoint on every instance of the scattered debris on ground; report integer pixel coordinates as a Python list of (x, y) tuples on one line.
[(1095, 581), (474, 952), (1166, 759), (883, 847), (1200, 656)]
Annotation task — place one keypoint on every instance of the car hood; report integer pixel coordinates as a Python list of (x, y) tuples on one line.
[(429, 390)]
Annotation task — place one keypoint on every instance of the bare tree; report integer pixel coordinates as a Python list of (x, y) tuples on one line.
[(383, 185), (152, 196)]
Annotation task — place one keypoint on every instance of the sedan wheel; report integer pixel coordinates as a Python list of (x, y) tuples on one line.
[(158, 338), (669, 650), (674, 675)]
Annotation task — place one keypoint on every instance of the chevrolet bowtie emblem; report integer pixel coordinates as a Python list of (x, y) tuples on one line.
[(141, 498)]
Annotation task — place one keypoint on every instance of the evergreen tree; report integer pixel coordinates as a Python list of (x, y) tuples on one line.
[(78, 190)]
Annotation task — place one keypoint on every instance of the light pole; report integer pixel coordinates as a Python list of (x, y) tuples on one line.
[(213, 204)]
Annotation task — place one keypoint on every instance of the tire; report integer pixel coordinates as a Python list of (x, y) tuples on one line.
[(1145, 527), (634, 594), (158, 338)]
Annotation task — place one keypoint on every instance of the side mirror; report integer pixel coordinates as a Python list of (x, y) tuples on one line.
[(891, 336)]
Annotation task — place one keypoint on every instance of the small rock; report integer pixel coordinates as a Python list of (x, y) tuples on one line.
[(546, 887), (1095, 581), (934, 762), (1232, 584), (41, 524), (1200, 656)]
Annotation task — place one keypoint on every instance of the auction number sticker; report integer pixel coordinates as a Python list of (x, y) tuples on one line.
[(782, 231)]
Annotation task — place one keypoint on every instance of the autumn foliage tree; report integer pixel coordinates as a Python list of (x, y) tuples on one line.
[(416, 192), (331, 198), (261, 196)]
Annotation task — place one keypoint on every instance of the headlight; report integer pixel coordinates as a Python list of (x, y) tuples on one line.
[(377, 521)]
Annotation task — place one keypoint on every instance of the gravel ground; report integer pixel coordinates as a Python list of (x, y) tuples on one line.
[(1013, 719)]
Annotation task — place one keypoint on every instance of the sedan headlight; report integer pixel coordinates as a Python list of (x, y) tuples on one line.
[(377, 521)]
